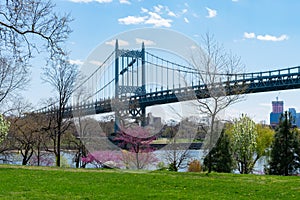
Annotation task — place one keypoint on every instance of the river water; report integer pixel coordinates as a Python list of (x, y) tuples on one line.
[(68, 160)]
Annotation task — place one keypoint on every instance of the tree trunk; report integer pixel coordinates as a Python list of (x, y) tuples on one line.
[(137, 160), (210, 143), (38, 155), (209, 162), (58, 150)]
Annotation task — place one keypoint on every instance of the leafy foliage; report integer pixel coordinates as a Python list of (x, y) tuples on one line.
[(285, 149), (4, 127), (265, 137), (221, 155), (244, 136)]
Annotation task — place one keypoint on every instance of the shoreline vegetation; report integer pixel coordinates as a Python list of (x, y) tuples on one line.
[(30, 182)]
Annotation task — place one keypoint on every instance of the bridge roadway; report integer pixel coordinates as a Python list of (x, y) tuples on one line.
[(283, 79)]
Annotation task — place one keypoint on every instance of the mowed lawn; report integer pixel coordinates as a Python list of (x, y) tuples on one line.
[(18, 182)]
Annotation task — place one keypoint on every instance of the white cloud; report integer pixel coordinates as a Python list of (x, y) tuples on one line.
[(88, 1), (154, 17), (103, 1), (184, 11), (265, 37), (156, 20), (186, 20), (158, 8), (146, 42), (81, 1), (249, 35), (171, 14), (120, 42), (272, 38), (211, 13), (144, 10), (235, 0), (76, 62), (124, 1), (132, 20)]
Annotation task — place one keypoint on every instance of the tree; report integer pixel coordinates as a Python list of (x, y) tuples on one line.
[(135, 141), (244, 136), (26, 132), (180, 137), (265, 137), (27, 26), (221, 155), (13, 78), (4, 127), (213, 63), (285, 149), (103, 159), (61, 75)]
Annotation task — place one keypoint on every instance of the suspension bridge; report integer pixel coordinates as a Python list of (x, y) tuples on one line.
[(130, 80)]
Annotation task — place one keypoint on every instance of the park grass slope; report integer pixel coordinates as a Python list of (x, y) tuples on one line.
[(18, 182)]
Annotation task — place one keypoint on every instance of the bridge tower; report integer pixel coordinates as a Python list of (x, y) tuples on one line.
[(129, 81)]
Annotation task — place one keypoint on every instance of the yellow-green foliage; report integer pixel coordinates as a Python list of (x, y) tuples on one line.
[(264, 139), (64, 162)]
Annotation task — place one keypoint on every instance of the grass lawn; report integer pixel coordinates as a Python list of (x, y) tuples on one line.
[(18, 182)]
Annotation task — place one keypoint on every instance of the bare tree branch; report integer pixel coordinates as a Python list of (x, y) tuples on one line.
[(61, 75), (214, 65)]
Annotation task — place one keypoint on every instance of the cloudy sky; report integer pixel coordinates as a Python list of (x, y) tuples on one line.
[(264, 33)]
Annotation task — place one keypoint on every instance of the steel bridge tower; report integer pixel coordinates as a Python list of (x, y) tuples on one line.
[(129, 81)]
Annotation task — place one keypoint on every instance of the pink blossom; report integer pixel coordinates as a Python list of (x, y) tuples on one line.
[(99, 158)]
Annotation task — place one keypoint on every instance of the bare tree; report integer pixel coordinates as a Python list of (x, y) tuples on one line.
[(61, 75), (26, 133), (177, 152), (24, 24), (13, 78), (216, 66), (27, 27)]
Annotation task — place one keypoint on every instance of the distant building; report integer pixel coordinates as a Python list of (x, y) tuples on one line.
[(277, 110), (153, 121), (298, 120), (294, 115)]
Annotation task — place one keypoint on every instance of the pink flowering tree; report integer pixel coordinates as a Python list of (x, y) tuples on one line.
[(137, 152), (101, 159)]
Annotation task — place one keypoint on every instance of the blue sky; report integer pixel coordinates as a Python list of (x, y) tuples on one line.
[(265, 33)]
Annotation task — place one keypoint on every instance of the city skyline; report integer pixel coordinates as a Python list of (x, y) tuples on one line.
[(263, 33)]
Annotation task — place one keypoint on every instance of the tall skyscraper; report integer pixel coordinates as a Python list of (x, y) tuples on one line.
[(277, 106), (277, 110)]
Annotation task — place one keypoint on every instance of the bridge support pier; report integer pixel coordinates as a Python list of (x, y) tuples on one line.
[(126, 67)]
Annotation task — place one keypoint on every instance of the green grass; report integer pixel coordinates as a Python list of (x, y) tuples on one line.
[(52, 183)]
